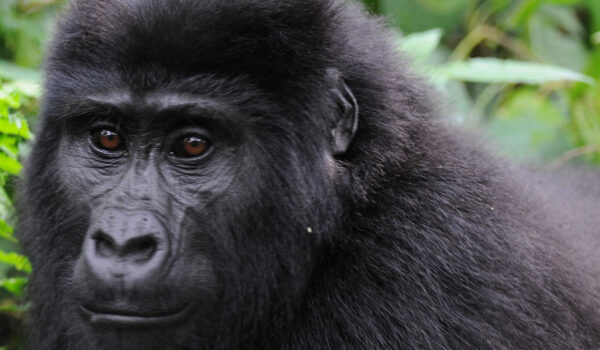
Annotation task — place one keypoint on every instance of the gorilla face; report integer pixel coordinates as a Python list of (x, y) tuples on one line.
[(152, 174), (188, 200)]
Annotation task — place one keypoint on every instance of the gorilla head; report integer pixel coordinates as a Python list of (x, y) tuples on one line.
[(265, 174)]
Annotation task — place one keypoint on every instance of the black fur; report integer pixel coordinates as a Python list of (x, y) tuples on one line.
[(418, 238)]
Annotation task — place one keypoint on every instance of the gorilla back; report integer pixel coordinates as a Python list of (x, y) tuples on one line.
[(255, 174)]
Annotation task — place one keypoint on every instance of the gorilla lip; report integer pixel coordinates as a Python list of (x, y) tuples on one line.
[(125, 319)]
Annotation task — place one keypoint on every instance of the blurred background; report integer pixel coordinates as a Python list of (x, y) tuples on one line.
[(524, 73)]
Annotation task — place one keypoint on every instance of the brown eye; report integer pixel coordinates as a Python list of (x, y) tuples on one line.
[(107, 140), (189, 147)]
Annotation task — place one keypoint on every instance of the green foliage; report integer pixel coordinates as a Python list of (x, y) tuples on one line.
[(526, 71), (421, 46), (421, 15), (18, 261), (16, 99), (529, 127), (24, 25), (21, 36), (17, 102)]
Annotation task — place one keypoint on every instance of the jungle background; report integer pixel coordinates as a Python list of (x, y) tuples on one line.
[(523, 73)]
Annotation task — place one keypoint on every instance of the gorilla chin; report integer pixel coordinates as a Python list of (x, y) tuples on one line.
[(270, 174)]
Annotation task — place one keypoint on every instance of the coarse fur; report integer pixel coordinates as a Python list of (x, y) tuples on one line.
[(414, 238)]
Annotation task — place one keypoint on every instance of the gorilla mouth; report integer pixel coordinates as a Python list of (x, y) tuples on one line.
[(125, 318)]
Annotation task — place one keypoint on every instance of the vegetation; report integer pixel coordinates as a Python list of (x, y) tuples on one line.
[(524, 72)]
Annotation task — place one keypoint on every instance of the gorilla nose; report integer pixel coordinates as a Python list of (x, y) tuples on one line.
[(137, 249), (126, 246)]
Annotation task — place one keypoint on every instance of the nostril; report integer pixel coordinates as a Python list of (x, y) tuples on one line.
[(141, 247), (105, 244)]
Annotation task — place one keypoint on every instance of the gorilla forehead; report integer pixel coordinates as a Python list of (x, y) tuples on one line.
[(282, 47), (233, 36)]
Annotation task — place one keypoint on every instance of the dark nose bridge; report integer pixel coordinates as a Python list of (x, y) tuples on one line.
[(130, 211), (138, 183), (127, 242)]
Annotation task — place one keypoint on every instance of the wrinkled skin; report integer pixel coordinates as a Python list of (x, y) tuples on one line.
[(261, 174)]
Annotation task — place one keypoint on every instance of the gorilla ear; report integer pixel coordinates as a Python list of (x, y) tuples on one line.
[(345, 119)]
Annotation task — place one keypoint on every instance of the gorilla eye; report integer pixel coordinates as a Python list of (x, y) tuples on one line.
[(189, 147), (107, 140)]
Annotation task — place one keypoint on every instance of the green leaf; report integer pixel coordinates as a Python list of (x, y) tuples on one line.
[(26, 88), (554, 42), (562, 2), (525, 9), (6, 205), (8, 99), (6, 231), (8, 144), (17, 126), (16, 260), (416, 16), (594, 8), (11, 71), (493, 70), (564, 18), (422, 45), (10, 165), (14, 285), (530, 126)]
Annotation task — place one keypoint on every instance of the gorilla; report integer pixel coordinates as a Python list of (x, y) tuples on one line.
[(268, 174)]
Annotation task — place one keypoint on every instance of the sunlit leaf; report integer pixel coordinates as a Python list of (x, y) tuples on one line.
[(564, 18), (493, 70), (6, 232), (24, 87), (596, 38), (421, 46), (10, 165), (14, 285), (11, 71), (9, 145), (16, 260), (8, 99), (552, 41), (14, 127), (6, 205)]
